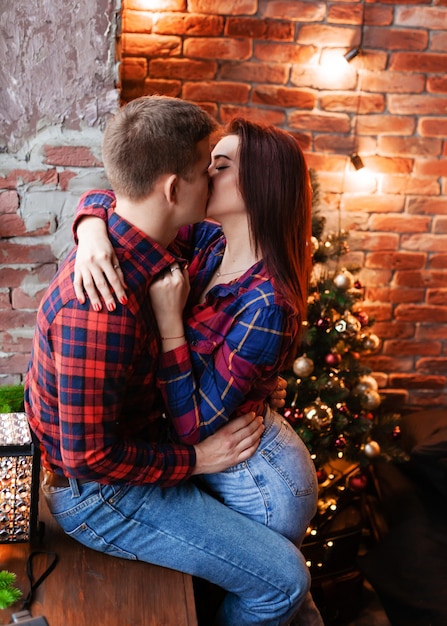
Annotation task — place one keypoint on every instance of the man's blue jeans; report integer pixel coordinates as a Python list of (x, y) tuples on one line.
[(186, 529)]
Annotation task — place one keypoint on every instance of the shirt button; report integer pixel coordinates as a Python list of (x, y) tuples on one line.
[(194, 342)]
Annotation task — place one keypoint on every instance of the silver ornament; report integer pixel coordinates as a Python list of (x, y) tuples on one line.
[(303, 367)]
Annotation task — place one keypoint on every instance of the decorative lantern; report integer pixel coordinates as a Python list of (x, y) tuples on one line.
[(19, 479)]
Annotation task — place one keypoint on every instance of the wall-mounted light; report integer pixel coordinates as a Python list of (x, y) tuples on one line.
[(351, 54), (19, 479), (357, 162)]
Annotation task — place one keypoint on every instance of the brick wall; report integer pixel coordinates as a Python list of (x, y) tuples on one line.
[(269, 60)]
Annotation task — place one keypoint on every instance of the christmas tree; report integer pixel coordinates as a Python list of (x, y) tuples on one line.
[(333, 401)]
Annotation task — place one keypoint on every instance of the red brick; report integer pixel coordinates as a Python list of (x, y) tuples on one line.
[(71, 156), (14, 363), (378, 15), (427, 205), (320, 121), (357, 103), (432, 127), (440, 226), (393, 82), (133, 69), (136, 21), (222, 92), (432, 365), (217, 48), (399, 223), (395, 39), (422, 17), (374, 204), (254, 72), (396, 330), (415, 348), (321, 77), (254, 28), (46, 177), (11, 225), (385, 124), (437, 261), (396, 260), (438, 42), (430, 167), (224, 7), (284, 97), (18, 254), (412, 381), (407, 312), (323, 35), (437, 296), (170, 88), (294, 9), (373, 241), (192, 25), (426, 62), (384, 363), (22, 300), (409, 146), (168, 5), (184, 69), (410, 185), (349, 13), (437, 84), (141, 45), (432, 331), (9, 202), (261, 116), (284, 53)]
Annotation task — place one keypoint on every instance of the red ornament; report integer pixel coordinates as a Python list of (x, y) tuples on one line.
[(340, 442), (321, 475), (362, 317), (332, 359), (358, 482)]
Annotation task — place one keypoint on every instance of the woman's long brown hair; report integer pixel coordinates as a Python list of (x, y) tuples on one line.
[(275, 184)]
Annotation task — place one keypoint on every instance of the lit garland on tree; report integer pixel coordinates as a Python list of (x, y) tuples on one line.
[(333, 399)]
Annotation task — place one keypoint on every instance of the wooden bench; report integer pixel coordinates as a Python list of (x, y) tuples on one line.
[(88, 588)]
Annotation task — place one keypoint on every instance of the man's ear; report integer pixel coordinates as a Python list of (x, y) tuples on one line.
[(170, 188)]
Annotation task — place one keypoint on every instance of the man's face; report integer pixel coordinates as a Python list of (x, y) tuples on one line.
[(192, 194)]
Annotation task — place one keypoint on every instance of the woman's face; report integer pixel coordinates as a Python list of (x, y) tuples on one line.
[(225, 199)]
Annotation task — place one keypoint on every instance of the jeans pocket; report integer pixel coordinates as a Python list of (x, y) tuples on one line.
[(88, 537), (289, 457)]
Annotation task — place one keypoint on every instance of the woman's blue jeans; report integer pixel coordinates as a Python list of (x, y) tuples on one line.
[(277, 486), (186, 529)]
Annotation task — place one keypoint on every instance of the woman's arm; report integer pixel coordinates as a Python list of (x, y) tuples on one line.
[(252, 353), (97, 271)]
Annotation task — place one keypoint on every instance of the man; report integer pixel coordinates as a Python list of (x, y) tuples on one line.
[(113, 480)]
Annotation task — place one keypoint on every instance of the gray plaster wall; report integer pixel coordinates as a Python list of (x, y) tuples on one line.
[(57, 67)]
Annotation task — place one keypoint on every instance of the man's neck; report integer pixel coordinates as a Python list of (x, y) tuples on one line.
[(149, 216)]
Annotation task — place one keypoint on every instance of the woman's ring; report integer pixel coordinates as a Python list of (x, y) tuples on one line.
[(172, 269), (115, 267)]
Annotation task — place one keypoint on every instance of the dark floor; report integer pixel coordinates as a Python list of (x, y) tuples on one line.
[(372, 613)]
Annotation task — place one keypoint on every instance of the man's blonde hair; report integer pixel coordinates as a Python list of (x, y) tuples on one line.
[(151, 136)]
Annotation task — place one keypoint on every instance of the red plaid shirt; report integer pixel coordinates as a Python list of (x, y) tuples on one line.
[(90, 389)]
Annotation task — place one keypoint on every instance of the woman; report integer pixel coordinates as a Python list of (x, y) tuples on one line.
[(241, 326)]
